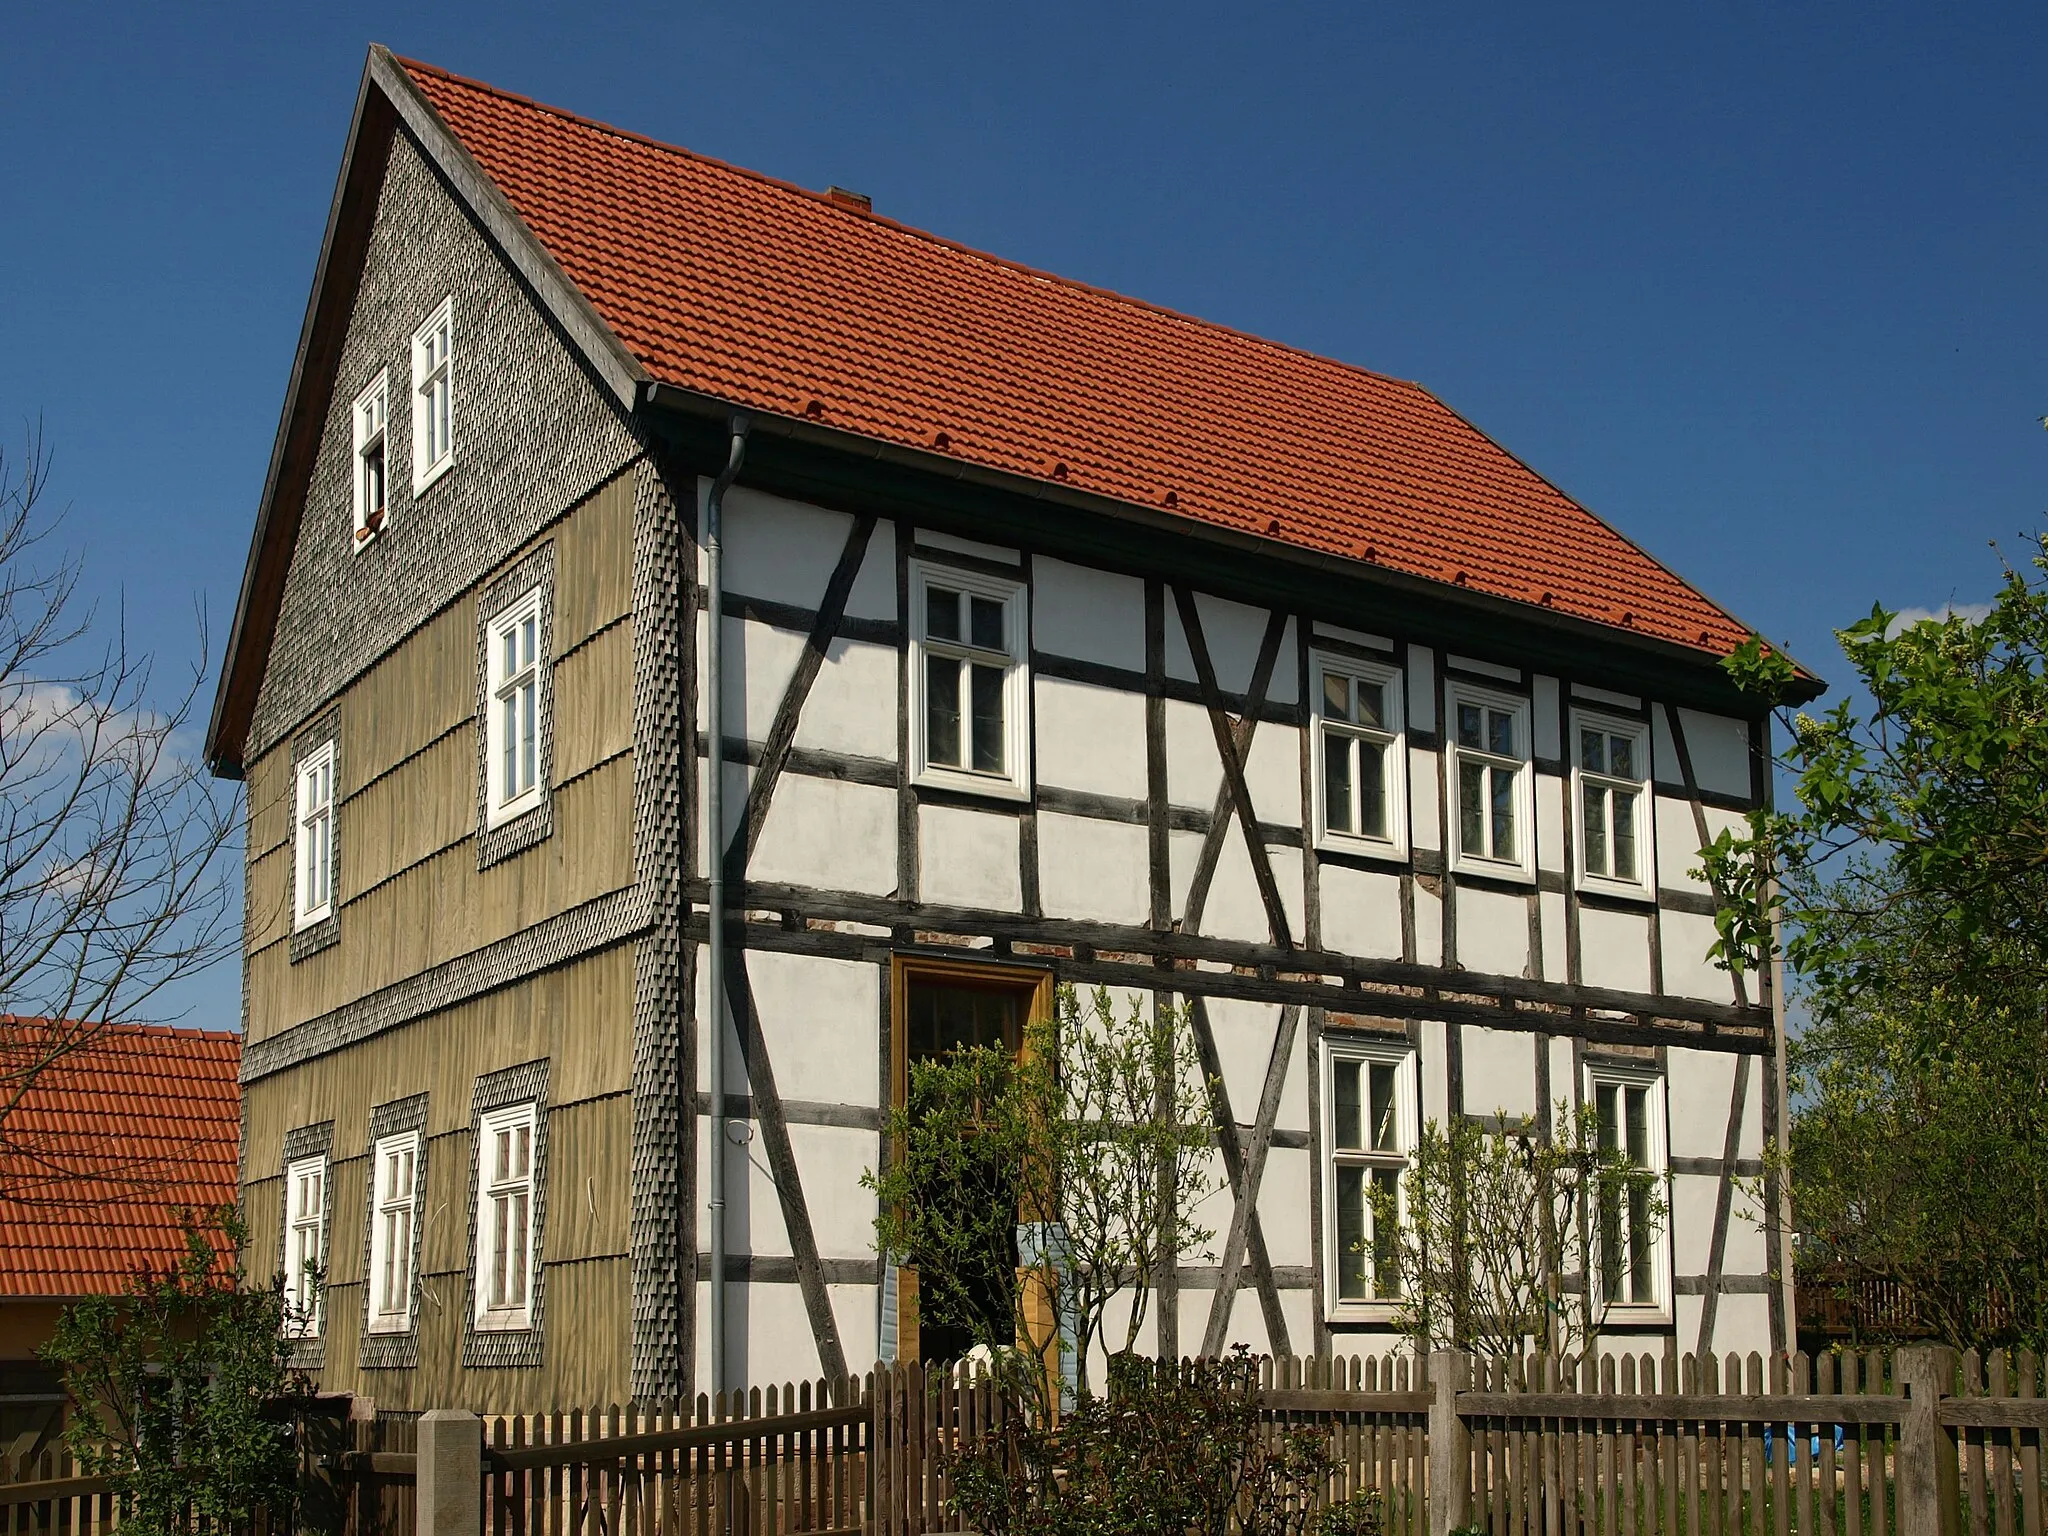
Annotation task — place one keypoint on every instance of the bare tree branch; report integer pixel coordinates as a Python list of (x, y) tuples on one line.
[(114, 886)]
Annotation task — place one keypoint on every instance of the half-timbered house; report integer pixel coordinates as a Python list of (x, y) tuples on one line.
[(1062, 639)]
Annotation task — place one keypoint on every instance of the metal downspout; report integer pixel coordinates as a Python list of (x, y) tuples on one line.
[(714, 817)]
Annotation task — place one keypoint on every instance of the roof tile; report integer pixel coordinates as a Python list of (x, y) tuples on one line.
[(775, 298), (105, 1146)]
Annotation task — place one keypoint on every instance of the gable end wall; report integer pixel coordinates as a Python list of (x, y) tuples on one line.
[(534, 433)]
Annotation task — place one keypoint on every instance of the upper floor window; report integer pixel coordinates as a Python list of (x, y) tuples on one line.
[(305, 1193), (969, 641), (1632, 1251), (1611, 771), (514, 699), (313, 838), (504, 1219), (394, 1197), (1369, 1131), (1492, 799), (433, 396), (371, 411), (1361, 781)]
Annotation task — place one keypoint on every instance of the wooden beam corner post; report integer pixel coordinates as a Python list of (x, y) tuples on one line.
[(1928, 1461), (450, 1473), (1450, 1444)]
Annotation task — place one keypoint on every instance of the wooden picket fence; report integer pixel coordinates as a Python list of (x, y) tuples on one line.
[(1633, 1445)]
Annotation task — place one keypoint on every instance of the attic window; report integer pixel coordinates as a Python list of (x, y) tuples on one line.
[(433, 396), (370, 415)]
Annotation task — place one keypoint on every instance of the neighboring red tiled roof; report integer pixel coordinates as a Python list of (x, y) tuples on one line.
[(772, 297), (106, 1145)]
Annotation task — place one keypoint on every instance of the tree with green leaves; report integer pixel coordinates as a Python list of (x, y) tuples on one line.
[(1488, 1244), (1910, 882), (182, 1390), (1037, 1193)]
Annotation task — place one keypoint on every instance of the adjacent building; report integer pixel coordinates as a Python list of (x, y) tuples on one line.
[(124, 1133)]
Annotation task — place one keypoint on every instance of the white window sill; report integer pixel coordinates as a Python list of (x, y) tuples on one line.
[(1636, 1315), (390, 1325), (1492, 869), (505, 815), (504, 1322), (986, 785), (313, 919), (432, 472), (365, 536), (1623, 890), (1371, 1314), (1359, 846)]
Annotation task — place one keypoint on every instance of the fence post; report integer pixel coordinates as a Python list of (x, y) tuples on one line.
[(450, 1473), (1927, 1449), (1450, 1444)]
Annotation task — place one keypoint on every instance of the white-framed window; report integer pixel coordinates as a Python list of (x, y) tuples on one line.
[(313, 838), (1631, 1243), (970, 681), (371, 416), (393, 1215), (433, 396), (1369, 1132), (1611, 791), (305, 1240), (514, 769), (505, 1254), (1361, 755), (1492, 799)]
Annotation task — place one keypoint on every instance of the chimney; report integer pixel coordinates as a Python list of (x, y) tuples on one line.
[(840, 197)]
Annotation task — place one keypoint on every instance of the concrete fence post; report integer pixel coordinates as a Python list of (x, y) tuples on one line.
[(1927, 1475), (451, 1473), (1450, 1443)]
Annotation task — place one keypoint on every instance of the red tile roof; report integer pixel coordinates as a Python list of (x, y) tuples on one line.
[(782, 300), (105, 1146)]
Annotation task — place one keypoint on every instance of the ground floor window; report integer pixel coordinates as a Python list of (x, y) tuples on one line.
[(1369, 1108)]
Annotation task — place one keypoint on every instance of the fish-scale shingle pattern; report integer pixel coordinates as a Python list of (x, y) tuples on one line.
[(104, 1148), (780, 299)]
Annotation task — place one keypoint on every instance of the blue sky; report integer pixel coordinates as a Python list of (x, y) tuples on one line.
[(1763, 286)]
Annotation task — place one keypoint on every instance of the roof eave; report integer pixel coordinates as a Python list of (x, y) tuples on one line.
[(695, 405)]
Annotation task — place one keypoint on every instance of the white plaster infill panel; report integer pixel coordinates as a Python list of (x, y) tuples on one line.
[(1089, 738), (854, 1311), (1550, 810), (757, 664), (820, 1019), (1694, 1198), (1552, 910), (968, 858), (1421, 689), (1701, 1089), (1235, 909), (1425, 800), (828, 835), (1233, 632), (1679, 837), (830, 1160), (1500, 1072), (785, 551), (1088, 614), (1091, 869), (1244, 1034), (1361, 912), (1429, 926), (1543, 696), (1720, 752), (851, 704), (1687, 970), (1273, 775), (1614, 949), (1493, 932), (1194, 770), (1284, 1209)]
